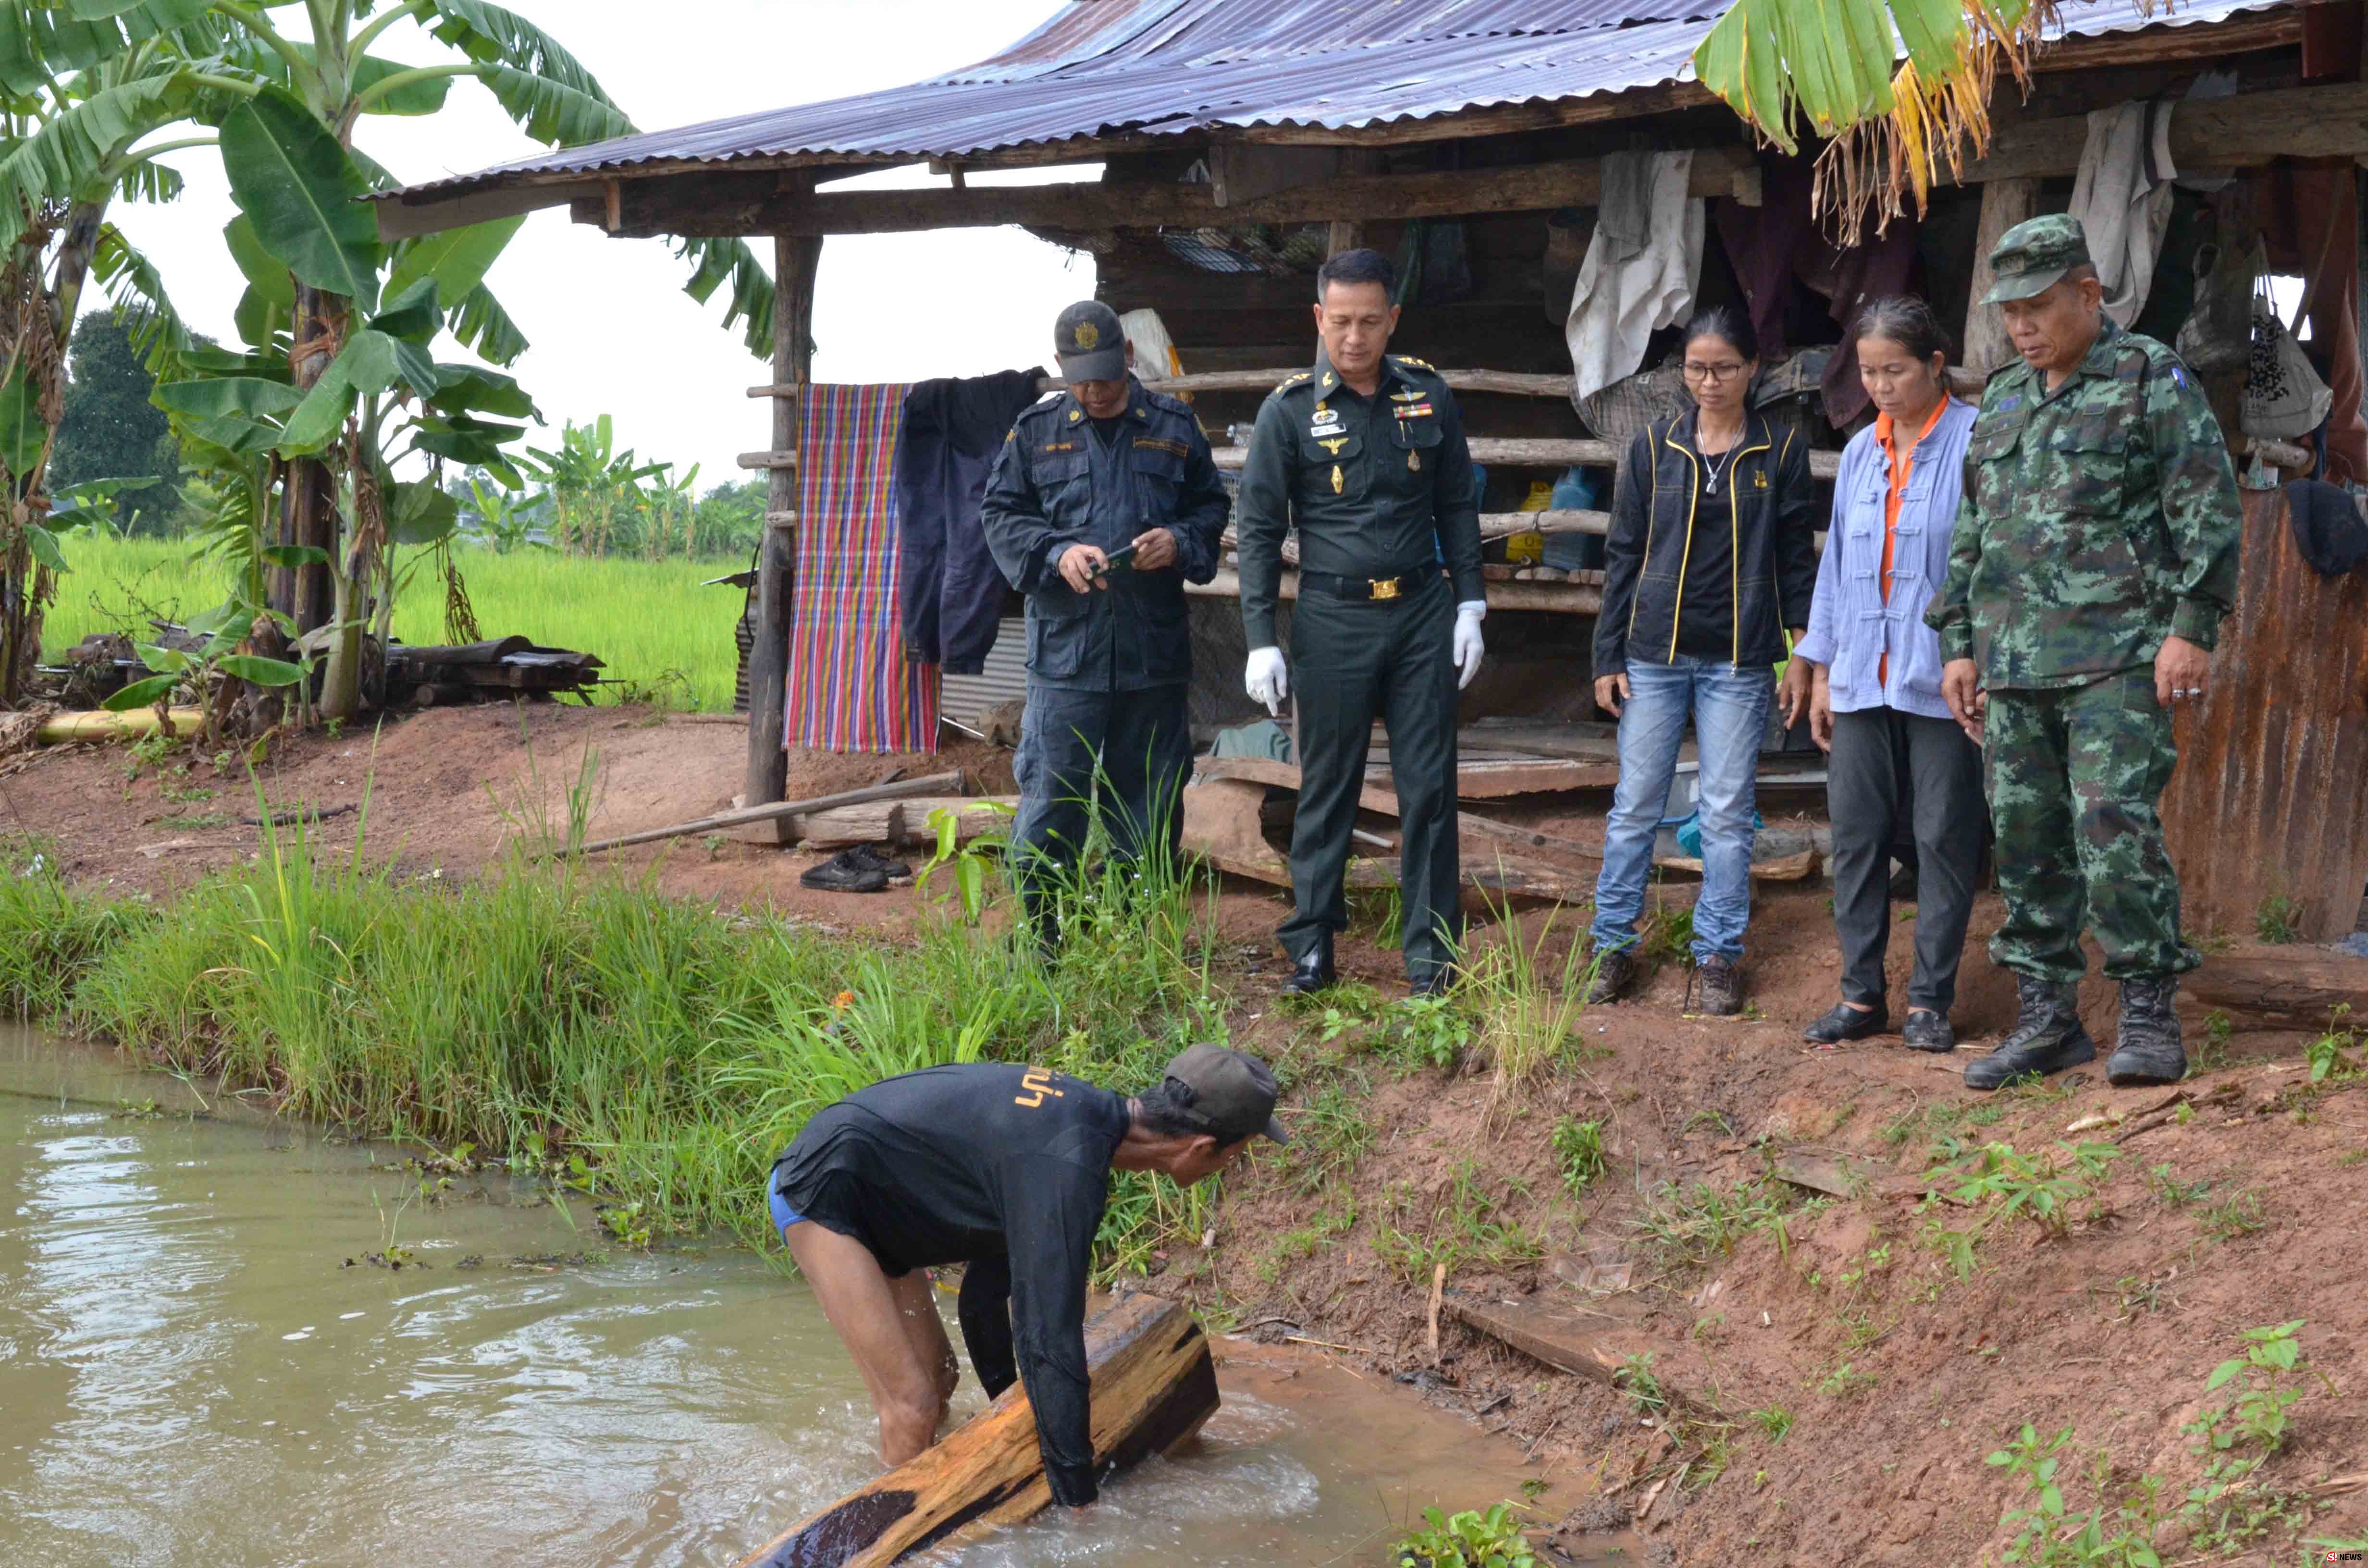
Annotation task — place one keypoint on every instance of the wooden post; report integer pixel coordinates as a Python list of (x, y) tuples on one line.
[(2004, 203), (796, 258), (1348, 233)]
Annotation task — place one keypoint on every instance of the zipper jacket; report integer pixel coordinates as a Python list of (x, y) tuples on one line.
[(1767, 509)]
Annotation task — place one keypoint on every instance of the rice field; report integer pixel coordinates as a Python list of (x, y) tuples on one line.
[(661, 633)]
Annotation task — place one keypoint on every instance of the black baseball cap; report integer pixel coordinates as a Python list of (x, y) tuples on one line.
[(1227, 1095), (1089, 343)]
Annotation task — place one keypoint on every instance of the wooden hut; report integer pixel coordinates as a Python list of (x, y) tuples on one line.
[(1471, 134)]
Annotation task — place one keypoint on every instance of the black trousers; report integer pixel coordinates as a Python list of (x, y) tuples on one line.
[(1354, 661), (1130, 753), (1891, 770)]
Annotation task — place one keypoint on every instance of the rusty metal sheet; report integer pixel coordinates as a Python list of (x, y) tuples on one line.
[(2271, 797), (1187, 67)]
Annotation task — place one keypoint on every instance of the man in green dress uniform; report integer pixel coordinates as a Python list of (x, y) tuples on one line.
[(2094, 555), (1365, 454)]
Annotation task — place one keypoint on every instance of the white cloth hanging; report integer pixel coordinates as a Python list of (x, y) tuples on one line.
[(2121, 195), (1641, 266)]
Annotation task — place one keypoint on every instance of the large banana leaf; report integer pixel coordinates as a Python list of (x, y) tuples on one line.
[(141, 306), (469, 388), (554, 112), (303, 193), (265, 273), (76, 142), (372, 363), (718, 262), (22, 434), (479, 321), (423, 97), (456, 258), (492, 35), (239, 414), (38, 42)]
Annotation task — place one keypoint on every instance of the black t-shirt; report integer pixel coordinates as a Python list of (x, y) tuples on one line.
[(1706, 602), (1004, 1168)]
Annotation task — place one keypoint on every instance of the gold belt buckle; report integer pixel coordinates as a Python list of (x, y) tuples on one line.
[(1382, 587)]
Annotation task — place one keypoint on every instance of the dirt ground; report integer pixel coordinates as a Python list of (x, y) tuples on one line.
[(1898, 1375)]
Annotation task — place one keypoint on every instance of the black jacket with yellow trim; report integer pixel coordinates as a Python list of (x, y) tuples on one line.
[(1769, 511)]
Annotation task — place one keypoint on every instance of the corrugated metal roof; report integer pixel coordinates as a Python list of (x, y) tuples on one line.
[(1102, 67)]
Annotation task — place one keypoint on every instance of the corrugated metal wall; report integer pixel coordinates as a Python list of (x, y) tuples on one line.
[(963, 697), (2271, 794)]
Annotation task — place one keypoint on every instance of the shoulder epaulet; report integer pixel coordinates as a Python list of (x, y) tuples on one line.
[(1409, 360), (1167, 403), (1292, 380)]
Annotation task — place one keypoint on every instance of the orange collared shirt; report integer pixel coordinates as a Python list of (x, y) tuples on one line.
[(1902, 465)]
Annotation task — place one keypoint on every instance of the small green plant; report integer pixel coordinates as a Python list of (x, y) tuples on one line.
[(2239, 1216), (2040, 1187), (1845, 1382), (1579, 1153), (2278, 919), (1470, 1539), (1668, 935), (966, 863), (2172, 1190), (1425, 1031), (1462, 1227), (2236, 1437), (2328, 1060), (2217, 1029), (1774, 1421), (1696, 1222), (2053, 1537), (1635, 1378)]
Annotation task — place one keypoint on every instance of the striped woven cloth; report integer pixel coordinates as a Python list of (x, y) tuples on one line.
[(850, 688)]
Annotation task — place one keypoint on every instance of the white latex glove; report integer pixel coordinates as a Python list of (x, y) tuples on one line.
[(1468, 646), (1266, 679)]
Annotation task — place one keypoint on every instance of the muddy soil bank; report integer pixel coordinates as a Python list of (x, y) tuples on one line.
[(1890, 1371)]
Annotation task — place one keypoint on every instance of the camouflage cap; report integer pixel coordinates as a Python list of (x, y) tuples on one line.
[(2033, 255), (1089, 343)]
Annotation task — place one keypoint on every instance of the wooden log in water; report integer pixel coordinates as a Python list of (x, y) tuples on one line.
[(1153, 1384)]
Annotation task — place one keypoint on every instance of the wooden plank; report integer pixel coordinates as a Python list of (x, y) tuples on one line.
[(2004, 203), (726, 203), (462, 654), (1534, 452), (1835, 1175), (1509, 383), (2298, 991), (2243, 132), (1153, 1384), (1486, 781), (776, 460), (1594, 1346), (777, 811), (901, 822)]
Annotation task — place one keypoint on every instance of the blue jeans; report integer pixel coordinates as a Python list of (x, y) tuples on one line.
[(1728, 704)]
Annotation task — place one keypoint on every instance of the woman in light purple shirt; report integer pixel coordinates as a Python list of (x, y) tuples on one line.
[(1868, 675)]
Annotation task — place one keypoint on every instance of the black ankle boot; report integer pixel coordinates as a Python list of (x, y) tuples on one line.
[(2047, 1037), (1313, 972), (2148, 1049)]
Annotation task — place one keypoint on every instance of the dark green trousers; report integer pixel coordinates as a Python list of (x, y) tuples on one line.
[(2073, 775), (1352, 661)]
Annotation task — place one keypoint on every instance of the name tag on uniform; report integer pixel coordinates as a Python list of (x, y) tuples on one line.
[(1323, 427), (1157, 444), (1050, 447), (1415, 411)]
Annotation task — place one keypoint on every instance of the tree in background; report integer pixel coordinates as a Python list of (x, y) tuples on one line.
[(110, 430)]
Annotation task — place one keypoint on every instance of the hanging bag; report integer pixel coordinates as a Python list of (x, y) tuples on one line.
[(2284, 399)]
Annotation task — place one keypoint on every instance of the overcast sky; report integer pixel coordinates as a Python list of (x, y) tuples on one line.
[(612, 330)]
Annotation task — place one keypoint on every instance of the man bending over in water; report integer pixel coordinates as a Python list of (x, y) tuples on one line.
[(1005, 1169)]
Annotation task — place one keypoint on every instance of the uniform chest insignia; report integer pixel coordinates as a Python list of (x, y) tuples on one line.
[(1155, 444), (1413, 462), (1050, 447), (1406, 397), (1758, 478), (1075, 415), (2009, 405), (1416, 410), (1334, 446), (1338, 482)]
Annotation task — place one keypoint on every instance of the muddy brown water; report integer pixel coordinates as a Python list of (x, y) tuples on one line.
[(191, 1373)]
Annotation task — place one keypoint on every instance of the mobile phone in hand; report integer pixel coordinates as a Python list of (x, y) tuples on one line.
[(1118, 557)]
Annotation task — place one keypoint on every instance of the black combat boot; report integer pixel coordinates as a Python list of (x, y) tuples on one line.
[(1436, 982), (2148, 1050), (1313, 972), (2047, 1037)]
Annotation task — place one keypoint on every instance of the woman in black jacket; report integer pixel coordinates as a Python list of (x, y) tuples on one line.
[(1709, 563)]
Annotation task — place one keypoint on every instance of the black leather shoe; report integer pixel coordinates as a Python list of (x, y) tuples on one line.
[(1846, 1022), (2148, 1049), (871, 859), (843, 873), (2047, 1037), (1614, 970), (1313, 972), (1437, 982), (1927, 1030)]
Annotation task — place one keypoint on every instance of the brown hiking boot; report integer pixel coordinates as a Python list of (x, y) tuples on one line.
[(1614, 968), (1717, 986)]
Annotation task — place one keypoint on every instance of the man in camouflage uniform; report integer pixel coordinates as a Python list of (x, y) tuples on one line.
[(2094, 555)]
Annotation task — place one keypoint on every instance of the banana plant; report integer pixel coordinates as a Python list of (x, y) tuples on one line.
[(1835, 69)]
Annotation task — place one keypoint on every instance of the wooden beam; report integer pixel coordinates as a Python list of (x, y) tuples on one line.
[(795, 259), (1557, 599), (1509, 383), (2237, 132), (2162, 45), (2004, 203), (786, 459), (730, 204), (400, 219), (1152, 1384), (782, 810), (1525, 452)]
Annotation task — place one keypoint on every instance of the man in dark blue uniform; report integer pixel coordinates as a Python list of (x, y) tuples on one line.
[(1105, 469)]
